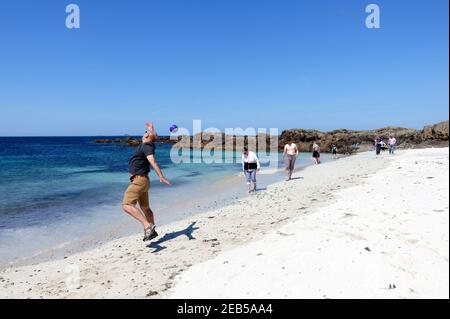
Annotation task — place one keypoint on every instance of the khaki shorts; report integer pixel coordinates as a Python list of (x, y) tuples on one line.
[(137, 192)]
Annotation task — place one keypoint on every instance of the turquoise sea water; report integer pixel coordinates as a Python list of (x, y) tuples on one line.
[(63, 194)]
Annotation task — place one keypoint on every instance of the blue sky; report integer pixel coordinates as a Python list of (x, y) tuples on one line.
[(230, 63)]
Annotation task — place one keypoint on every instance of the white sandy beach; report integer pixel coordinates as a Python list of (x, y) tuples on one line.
[(357, 227)]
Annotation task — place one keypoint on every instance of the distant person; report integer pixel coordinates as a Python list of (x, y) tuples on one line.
[(316, 153), (392, 144), (137, 191), (250, 164), (334, 151), (378, 144), (290, 154)]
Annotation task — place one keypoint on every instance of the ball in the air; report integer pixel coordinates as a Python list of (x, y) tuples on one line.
[(173, 128)]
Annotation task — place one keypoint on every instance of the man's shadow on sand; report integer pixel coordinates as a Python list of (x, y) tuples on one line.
[(186, 232)]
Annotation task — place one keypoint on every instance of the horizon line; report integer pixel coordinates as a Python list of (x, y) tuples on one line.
[(222, 131)]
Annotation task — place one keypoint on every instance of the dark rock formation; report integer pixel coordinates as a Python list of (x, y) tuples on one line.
[(347, 141), (131, 141), (435, 132), (104, 141)]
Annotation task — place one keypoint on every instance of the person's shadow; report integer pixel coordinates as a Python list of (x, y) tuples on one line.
[(187, 232)]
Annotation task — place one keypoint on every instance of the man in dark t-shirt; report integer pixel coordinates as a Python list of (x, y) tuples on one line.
[(139, 164), (137, 191)]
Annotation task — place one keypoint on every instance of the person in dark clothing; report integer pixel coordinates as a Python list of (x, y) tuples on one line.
[(137, 191), (378, 144), (334, 151), (316, 153)]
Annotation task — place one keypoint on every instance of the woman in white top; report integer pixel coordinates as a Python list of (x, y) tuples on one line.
[(316, 153), (250, 164), (290, 154)]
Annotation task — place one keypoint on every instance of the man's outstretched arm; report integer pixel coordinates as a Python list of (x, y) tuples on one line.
[(151, 130), (152, 160)]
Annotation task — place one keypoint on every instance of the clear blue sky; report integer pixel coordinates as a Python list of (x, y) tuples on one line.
[(230, 63)]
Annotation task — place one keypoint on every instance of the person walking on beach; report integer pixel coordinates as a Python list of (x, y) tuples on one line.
[(334, 151), (137, 191), (290, 154), (392, 144), (316, 153), (250, 164), (378, 143)]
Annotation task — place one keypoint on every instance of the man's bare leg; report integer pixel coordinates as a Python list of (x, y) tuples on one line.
[(137, 214), (148, 214)]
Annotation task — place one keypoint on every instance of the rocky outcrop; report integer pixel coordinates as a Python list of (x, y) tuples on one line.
[(130, 141), (350, 141), (347, 141), (435, 132)]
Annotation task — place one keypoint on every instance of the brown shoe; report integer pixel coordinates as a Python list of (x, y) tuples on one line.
[(150, 233)]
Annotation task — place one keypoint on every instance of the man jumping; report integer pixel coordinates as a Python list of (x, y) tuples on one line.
[(137, 191)]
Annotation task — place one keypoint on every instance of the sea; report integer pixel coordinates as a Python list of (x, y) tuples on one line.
[(61, 195)]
